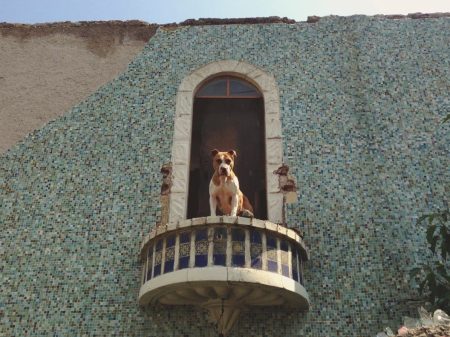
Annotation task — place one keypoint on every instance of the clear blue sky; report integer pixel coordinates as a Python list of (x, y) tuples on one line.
[(165, 11)]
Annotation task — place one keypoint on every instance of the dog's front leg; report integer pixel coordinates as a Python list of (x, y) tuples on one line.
[(234, 205), (212, 205)]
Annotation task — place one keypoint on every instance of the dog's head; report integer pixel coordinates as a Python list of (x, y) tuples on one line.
[(223, 162)]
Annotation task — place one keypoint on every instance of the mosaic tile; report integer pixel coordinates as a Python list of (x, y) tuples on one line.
[(361, 102)]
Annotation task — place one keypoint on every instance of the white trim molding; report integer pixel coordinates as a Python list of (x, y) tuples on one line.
[(181, 148)]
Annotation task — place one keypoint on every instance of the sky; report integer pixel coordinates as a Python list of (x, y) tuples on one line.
[(168, 11)]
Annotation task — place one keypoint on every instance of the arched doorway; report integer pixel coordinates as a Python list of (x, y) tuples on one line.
[(228, 113)]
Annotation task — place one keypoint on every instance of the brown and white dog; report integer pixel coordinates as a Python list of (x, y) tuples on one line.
[(224, 192)]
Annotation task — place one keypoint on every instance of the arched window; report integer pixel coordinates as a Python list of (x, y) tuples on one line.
[(227, 81), (228, 114)]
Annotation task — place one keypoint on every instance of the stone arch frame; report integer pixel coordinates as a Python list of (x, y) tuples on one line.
[(181, 147)]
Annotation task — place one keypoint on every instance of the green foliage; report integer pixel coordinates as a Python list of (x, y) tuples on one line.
[(446, 119), (434, 277)]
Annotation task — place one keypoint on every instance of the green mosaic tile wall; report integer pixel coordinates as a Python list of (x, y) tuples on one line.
[(361, 103)]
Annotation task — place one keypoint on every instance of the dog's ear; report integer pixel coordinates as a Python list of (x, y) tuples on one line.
[(232, 153), (214, 152)]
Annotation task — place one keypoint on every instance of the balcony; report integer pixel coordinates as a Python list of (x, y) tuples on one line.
[(224, 264)]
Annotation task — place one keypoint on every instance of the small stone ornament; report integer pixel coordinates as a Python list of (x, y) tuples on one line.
[(166, 171), (441, 318), (288, 187)]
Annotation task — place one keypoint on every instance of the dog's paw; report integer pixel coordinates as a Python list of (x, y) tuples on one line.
[(246, 214)]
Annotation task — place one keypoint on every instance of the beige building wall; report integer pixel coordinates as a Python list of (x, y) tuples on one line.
[(47, 69)]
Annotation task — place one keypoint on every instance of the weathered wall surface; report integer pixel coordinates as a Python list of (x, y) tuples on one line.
[(47, 69), (361, 104)]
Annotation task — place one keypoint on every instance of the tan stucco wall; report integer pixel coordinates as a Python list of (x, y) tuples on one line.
[(47, 69)]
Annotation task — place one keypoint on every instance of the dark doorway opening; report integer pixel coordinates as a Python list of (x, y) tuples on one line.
[(229, 115)]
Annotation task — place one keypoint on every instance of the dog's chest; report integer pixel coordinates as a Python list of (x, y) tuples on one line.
[(225, 188), (224, 194)]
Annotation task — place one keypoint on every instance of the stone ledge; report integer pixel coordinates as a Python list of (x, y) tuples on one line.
[(149, 29), (236, 21), (132, 29), (293, 293), (414, 16)]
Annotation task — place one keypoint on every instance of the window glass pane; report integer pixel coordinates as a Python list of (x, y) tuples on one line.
[(238, 247), (255, 249), (170, 253), (272, 260), (185, 250), (214, 88), (201, 248), (284, 246), (220, 246), (158, 258), (240, 88)]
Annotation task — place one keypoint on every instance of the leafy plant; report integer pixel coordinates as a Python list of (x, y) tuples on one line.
[(446, 119), (434, 277)]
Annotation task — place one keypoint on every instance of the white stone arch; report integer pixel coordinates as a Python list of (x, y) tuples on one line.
[(181, 146)]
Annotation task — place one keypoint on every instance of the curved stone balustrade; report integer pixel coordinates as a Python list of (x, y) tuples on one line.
[(224, 264)]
